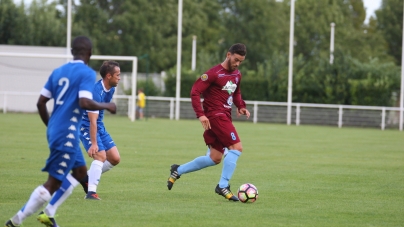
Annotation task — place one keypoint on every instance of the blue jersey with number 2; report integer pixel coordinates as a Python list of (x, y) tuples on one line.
[(66, 85)]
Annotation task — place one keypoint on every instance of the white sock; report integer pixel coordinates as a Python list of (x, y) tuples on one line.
[(107, 166), (94, 175), (61, 195), (38, 198)]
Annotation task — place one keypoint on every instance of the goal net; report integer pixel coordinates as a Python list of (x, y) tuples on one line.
[(24, 73)]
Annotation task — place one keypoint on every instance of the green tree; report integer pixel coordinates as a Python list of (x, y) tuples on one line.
[(262, 25), (14, 24), (390, 23), (47, 27)]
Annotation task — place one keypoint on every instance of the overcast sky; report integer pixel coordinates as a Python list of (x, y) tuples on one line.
[(370, 6)]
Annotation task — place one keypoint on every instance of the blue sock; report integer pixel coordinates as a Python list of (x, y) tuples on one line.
[(229, 165), (65, 190), (60, 192), (196, 164)]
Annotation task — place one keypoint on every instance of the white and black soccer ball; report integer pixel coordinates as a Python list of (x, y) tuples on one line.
[(247, 193)]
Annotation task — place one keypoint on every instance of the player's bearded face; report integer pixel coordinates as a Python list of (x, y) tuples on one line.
[(234, 60)]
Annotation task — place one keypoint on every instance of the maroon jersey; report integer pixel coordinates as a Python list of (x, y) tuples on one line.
[(220, 89)]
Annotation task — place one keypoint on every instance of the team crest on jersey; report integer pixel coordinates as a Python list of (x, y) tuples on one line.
[(229, 87), (204, 77)]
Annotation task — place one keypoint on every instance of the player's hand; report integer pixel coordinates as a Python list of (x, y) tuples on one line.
[(243, 111), (111, 107), (205, 122), (92, 150)]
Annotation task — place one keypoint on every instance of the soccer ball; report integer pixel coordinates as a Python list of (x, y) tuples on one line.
[(247, 193)]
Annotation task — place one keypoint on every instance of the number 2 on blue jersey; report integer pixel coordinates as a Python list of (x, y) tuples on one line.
[(65, 83)]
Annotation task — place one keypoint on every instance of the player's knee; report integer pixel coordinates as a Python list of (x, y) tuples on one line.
[(52, 184), (237, 147), (217, 160), (100, 156), (115, 160)]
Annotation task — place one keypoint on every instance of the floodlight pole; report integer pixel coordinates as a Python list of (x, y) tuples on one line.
[(193, 65), (69, 27), (291, 43), (332, 43), (179, 40), (402, 82)]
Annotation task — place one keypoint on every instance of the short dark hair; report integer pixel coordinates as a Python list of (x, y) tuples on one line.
[(108, 67), (80, 45), (238, 48)]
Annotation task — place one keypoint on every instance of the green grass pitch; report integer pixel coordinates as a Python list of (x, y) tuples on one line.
[(306, 176)]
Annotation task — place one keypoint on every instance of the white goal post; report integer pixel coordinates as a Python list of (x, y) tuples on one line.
[(134, 59)]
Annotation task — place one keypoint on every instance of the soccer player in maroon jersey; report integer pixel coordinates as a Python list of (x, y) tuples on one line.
[(220, 88)]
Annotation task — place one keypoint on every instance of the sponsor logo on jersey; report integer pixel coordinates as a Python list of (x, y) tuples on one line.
[(229, 87), (204, 77)]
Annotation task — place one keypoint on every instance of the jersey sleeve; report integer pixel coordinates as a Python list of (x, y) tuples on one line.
[(96, 96), (237, 100), (87, 85), (200, 85), (47, 89)]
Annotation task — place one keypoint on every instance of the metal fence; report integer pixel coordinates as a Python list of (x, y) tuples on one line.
[(269, 112)]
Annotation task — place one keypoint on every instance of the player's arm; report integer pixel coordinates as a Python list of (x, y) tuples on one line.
[(89, 104), (240, 104), (93, 116), (200, 85), (45, 96), (86, 96), (42, 109)]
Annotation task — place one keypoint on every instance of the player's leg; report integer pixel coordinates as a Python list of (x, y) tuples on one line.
[(141, 113), (230, 163), (42, 194), (94, 174), (47, 216), (228, 136), (38, 198), (79, 170), (113, 159), (197, 164)]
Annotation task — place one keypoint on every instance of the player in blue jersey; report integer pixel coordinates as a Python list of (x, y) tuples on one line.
[(71, 88), (96, 140)]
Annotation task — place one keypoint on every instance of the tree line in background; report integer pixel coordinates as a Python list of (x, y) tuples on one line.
[(366, 69)]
